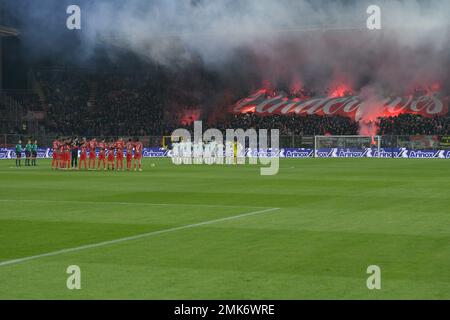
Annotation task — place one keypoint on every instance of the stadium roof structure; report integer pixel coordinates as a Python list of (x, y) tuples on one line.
[(8, 31)]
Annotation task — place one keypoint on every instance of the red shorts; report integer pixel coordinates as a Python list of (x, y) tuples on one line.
[(129, 157), (83, 156), (67, 155), (101, 156), (111, 157), (137, 156), (55, 156), (119, 155), (92, 155)]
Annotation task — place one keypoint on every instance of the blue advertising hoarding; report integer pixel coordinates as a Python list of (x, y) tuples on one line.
[(9, 153)]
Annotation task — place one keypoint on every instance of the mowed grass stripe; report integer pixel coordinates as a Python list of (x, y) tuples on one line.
[(31, 228), (140, 236), (130, 203)]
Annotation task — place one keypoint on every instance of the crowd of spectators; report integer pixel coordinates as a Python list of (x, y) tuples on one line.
[(104, 105), (412, 124), (292, 124), (27, 100), (146, 104), (128, 105), (67, 95)]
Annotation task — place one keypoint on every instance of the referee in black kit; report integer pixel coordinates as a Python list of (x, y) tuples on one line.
[(74, 146)]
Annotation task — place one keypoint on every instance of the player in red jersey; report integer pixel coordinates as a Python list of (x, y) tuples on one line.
[(67, 152), (83, 154), (129, 147), (111, 147), (55, 147), (92, 144), (138, 153), (102, 154), (62, 161), (119, 154)]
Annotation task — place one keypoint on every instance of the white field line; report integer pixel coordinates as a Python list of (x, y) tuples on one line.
[(130, 203), (139, 236)]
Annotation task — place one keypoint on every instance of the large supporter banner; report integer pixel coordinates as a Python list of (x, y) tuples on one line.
[(353, 106), (9, 153)]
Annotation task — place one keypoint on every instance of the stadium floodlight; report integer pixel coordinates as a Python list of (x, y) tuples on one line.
[(346, 146)]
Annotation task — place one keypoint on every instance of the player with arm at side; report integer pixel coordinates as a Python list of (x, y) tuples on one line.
[(18, 153), (214, 146), (181, 147), (187, 152), (28, 147), (120, 144), (235, 151), (74, 146), (229, 152), (176, 152), (198, 152), (138, 153), (55, 147), (83, 154), (34, 150), (219, 155), (207, 152), (129, 147), (240, 153)]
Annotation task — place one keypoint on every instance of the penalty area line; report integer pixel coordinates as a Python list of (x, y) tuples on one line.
[(136, 237)]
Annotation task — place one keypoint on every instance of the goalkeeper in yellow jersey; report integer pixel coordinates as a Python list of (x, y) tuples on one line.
[(235, 151)]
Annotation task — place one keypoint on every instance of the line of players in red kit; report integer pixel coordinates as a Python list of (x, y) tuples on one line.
[(110, 154)]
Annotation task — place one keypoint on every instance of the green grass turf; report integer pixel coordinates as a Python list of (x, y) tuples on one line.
[(336, 217)]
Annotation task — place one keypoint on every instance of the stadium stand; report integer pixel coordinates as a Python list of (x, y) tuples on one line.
[(76, 102), (411, 124)]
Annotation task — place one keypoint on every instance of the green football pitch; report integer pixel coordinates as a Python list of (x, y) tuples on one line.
[(226, 232)]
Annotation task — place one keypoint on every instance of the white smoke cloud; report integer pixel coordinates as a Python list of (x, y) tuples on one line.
[(164, 30), (316, 42)]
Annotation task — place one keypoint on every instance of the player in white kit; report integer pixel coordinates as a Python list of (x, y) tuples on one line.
[(187, 152), (207, 152), (198, 152), (229, 152), (240, 153), (176, 159), (213, 150)]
